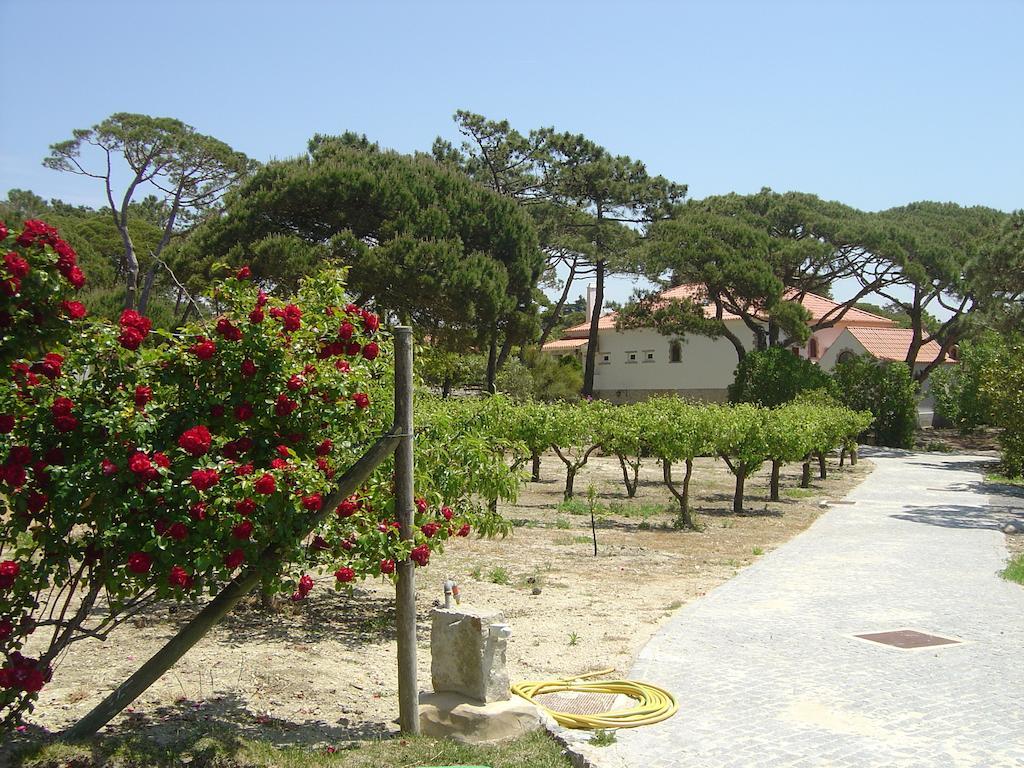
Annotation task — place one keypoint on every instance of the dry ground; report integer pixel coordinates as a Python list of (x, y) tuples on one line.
[(324, 670)]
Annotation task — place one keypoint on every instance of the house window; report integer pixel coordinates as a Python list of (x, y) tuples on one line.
[(631, 357), (795, 351), (845, 356), (675, 352), (605, 358), (812, 348), (648, 355)]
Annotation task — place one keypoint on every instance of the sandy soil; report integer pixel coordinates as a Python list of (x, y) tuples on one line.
[(324, 670)]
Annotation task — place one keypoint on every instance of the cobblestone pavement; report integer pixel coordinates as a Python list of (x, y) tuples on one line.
[(767, 669)]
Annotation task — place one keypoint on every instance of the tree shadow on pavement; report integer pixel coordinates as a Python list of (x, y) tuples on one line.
[(960, 516)]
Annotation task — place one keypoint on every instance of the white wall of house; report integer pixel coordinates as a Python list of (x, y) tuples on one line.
[(844, 342), (636, 363)]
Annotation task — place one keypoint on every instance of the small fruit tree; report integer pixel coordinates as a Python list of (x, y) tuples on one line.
[(141, 465)]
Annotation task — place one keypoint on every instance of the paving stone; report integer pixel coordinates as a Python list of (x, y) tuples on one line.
[(767, 669)]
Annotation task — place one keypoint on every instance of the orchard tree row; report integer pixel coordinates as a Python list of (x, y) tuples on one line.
[(669, 430)]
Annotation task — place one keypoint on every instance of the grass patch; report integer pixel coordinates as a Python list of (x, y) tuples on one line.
[(758, 551), (799, 493), (226, 750), (1004, 480), (498, 575), (602, 738), (574, 507), (562, 523), (1014, 570)]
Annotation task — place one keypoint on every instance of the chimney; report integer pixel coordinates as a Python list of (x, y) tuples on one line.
[(591, 296)]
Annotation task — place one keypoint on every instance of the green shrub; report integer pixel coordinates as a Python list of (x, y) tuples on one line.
[(1003, 383), (775, 376), (959, 396), (885, 389)]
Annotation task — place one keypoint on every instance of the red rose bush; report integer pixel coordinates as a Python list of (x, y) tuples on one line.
[(138, 465)]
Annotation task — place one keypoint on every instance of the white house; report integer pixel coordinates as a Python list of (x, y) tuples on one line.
[(635, 364)]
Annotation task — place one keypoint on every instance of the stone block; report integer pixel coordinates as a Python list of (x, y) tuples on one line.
[(453, 716), (467, 653)]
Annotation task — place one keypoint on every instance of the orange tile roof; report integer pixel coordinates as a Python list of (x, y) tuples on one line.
[(565, 344), (817, 305), (893, 343)]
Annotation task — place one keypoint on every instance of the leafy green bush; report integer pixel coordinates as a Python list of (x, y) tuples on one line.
[(775, 376), (885, 389), (959, 396), (1003, 384)]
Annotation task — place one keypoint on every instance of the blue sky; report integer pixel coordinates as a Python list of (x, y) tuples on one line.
[(872, 103)]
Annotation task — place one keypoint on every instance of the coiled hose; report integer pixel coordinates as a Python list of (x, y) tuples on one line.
[(654, 704)]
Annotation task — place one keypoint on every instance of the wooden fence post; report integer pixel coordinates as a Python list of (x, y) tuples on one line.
[(405, 509)]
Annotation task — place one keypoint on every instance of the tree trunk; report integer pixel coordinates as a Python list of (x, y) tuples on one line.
[(535, 473), (741, 480), (805, 477), (492, 365), (822, 472), (506, 347), (557, 311), (492, 506), (842, 456), (131, 270), (685, 519), (775, 480), (147, 287), (446, 388), (570, 478), (630, 483), (853, 456), (588, 373)]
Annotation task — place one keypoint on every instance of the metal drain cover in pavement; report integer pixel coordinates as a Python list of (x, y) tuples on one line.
[(907, 639)]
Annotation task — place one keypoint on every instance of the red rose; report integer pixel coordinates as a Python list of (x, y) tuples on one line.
[(139, 562), (54, 456), (346, 330), (266, 484), (20, 454), (216, 411), (245, 507), (429, 529), (256, 316), (9, 571), (195, 441), (6, 629), (143, 395), (361, 399), (387, 566), (319, 544), (244, 469), (227, 330), (130, 338), (344, 574), (464, 530), (343, 366), (161, 460), (421, 504), (204, 478), (204, 349), (76, 277), (278, 464), (49, 366), (261, 299), (284, 405), (14, 475), (3, 231), (108, 468), (198, 511), (446, 513), (161, 526), (36, 501), (242, 531), (248, 367), (74, 309), (140, 464), (234, 559), (292, 317), (370, 322), (244, 273), (178, 531), (305, 585), (313, 502), (6, 423), (65, 423), (348, 507), (420, 555), (371, 350), (243, 412), (16, 265), (61, 406), (295, 383), (11, 286), (178, 577), (353, 348), (324, 448)]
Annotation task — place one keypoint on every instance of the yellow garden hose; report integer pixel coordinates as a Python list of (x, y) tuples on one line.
[(654, 704)]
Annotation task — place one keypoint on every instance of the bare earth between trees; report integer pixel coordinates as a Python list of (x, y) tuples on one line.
[(324, 670)]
